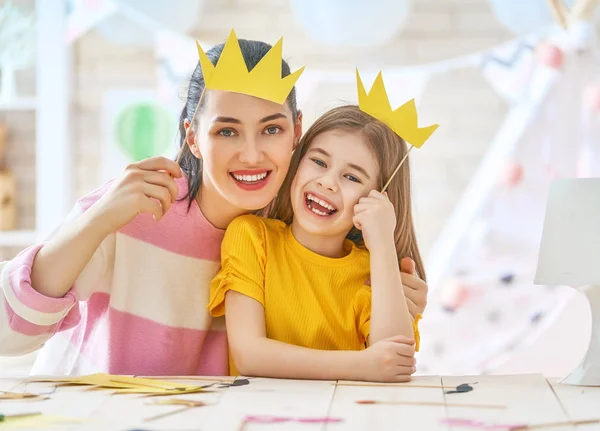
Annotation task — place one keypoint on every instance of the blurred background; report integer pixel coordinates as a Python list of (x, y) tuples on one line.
[(87, 86)]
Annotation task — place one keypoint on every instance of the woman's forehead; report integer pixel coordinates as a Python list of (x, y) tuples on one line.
[(242, 107)]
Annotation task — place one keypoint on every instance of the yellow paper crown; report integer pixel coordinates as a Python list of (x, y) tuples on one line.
[(403, 121), (231, 72)]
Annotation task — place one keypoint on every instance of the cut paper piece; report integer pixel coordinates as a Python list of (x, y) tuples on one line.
[(5, 396), (403, 120), (279, 419), (465, 387), (430, 403), (37, 421), (124, 384), (236, 382), (471, 423), (226, 379), (187, 404), (263, 81)]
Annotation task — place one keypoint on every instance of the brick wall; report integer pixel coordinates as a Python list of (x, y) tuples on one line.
[(438, 29)]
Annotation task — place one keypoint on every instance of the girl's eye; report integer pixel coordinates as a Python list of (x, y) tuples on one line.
[(226, 132), (273, 130), (319, 162), (353, 178)]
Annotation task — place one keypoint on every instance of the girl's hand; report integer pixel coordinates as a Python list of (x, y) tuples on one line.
[(374, 215), (389, 360), (147, 186)]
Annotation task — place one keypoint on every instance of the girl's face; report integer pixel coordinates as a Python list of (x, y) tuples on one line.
[(246, 145), (336, 171)]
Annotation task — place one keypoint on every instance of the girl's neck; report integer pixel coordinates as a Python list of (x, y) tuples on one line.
[(327, 246), (216, 209)]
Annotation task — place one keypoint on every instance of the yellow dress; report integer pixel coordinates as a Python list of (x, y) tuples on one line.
[(309, 300)]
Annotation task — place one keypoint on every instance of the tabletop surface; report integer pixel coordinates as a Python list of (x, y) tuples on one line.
[(426, 403)]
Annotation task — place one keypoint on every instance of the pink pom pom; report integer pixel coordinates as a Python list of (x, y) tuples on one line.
[(550, 55), (454, 294), (512, 174), (591, 97)]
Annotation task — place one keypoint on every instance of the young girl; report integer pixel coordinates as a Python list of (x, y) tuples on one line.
[(293, 290), (121, 287)]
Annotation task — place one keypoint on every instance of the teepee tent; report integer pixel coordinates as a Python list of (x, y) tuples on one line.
[(483, 304)]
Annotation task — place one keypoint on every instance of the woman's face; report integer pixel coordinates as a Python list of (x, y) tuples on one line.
[(246, 145)]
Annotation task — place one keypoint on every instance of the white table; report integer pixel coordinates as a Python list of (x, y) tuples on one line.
[(530, 399)]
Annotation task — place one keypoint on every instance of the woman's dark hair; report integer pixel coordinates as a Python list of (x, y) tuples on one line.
[(253, 51)]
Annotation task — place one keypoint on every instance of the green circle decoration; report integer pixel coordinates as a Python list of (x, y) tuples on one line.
[(144, 130)]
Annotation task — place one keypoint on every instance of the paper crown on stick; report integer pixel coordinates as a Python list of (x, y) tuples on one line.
[(263, 81), (403, 121)]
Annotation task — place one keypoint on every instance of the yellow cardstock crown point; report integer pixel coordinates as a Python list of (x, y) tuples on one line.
[(263, 81), (403, 121)]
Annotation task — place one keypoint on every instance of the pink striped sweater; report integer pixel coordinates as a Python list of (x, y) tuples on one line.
[(138, 307)]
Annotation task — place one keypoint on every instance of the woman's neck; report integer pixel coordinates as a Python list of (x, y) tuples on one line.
[(217, 210), (328, 246)]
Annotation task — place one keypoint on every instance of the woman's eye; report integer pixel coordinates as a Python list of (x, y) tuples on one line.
[(226, 132), (353, 178), (273, 130), (319, 162)]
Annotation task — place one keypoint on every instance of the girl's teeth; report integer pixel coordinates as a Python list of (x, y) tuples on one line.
[(320, 202), (316, 211)]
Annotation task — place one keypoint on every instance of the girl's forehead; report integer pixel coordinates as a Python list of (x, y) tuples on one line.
[(346, 147)]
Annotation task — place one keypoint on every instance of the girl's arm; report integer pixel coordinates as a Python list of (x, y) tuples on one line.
[(389, 309), (375, 217), (256, 355)]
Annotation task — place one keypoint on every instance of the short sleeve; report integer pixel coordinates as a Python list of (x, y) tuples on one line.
[(242, 263), (362, 311)]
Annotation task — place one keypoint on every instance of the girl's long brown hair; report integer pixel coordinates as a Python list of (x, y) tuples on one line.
[(388, 149)]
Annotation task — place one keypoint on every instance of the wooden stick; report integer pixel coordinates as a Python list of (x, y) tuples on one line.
[(201, 378), (190, 127), (582, 10), (394, 173), (431, 403), (148, 385), (559, 11), (555, 424), (400, 385), (164, 415)]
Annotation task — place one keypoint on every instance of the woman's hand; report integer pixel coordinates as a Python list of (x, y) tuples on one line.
[(147, 186), (415, 289)]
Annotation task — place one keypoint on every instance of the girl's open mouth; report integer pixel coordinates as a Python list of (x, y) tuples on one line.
[(319, 206)]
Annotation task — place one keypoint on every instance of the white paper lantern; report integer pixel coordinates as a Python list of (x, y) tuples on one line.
[(136, 21), (524, 16), (17, 46), (352, 22)]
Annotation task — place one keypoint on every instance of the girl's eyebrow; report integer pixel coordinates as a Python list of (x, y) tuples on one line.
[(351, 165), (361, 170), (236, 121)]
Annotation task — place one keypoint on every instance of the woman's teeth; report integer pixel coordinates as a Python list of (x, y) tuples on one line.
[(250, 178)]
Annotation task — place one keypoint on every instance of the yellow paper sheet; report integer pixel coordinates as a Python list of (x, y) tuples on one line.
[(37, 421), (123, 384)]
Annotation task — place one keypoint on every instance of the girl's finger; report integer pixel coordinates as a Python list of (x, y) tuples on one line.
[(358, 208), (356, 221)]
